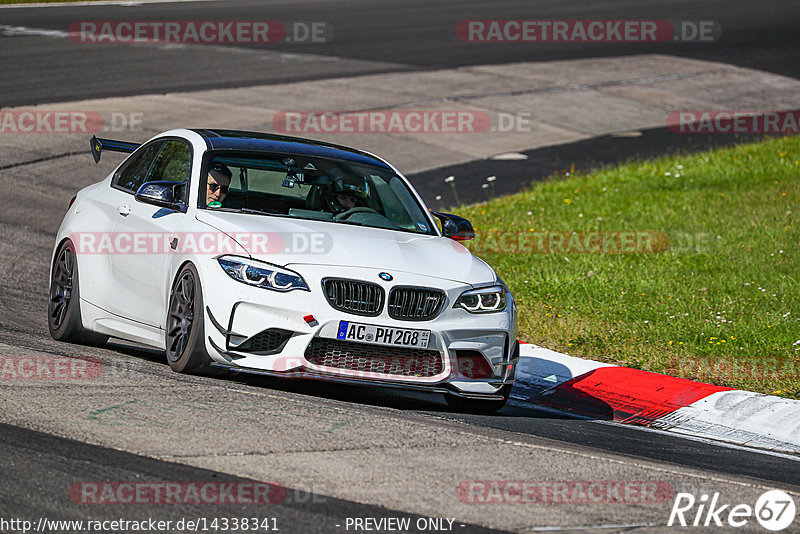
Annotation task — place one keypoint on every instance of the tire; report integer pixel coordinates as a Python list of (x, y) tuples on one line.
[(185, 331), (64, 309), (460, 404)]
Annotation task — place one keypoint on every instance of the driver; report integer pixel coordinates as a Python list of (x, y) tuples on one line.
[(346, 193), (217, 184)]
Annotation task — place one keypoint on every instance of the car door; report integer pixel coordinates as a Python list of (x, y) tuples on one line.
[(97, 216), (140, 264)]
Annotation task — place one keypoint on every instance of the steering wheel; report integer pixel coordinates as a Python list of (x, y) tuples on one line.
[(353, 211)]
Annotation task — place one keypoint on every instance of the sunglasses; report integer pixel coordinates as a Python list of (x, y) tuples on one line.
[(213, 188)]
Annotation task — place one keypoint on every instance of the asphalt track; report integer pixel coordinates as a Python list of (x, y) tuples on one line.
[(369, 36), (364, 453), (32, 457)]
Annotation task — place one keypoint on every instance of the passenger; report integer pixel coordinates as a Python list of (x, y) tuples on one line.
[(346, 200), (346, 193)]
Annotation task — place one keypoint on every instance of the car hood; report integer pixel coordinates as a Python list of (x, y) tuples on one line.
[(292, 241)]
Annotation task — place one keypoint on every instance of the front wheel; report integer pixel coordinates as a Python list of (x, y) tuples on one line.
[(64, 308), (186, 351)]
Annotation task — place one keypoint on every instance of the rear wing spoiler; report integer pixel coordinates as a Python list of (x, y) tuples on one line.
[(98, 145)]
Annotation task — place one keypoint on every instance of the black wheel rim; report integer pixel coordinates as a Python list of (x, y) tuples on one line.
[(181, 317), (61, 287)]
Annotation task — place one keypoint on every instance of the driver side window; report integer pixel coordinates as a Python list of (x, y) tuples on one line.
[(138, 167), (173, 164)]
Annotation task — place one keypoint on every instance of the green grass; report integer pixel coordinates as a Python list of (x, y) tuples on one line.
[(721, 304)]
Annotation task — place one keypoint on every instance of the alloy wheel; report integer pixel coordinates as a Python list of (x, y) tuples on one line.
[(181, 316)]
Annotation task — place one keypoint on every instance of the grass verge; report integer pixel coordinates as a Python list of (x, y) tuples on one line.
[(685, 265)]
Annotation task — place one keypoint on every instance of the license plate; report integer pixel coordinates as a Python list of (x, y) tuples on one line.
[(383, 335)]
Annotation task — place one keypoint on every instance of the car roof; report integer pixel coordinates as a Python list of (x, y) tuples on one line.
[(284, 144)]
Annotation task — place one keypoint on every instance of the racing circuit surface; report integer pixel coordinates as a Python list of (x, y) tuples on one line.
[(368, 37), (340, 452)]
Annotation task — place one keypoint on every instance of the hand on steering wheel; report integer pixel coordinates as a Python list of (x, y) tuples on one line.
[(352, 211)]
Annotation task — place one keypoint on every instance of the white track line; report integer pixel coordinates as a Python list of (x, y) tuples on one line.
[(104, 3)]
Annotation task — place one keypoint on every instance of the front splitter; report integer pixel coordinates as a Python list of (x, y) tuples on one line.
[(305, 374)]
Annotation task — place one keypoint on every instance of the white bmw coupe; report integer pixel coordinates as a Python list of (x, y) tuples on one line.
[(281, 256)]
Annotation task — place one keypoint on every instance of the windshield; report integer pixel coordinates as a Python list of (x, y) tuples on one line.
[(306, 187)]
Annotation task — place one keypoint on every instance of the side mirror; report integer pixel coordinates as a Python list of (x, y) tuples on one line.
[(455, 227), (162, 193)]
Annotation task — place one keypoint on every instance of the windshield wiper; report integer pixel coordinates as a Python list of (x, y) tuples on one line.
[(241, 210), (354, 223), (255, 211), (345, 221)]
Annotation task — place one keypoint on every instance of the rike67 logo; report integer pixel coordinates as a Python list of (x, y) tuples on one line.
[(774, 510)]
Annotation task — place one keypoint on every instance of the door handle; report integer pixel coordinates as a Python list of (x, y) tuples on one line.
[(124, 210)]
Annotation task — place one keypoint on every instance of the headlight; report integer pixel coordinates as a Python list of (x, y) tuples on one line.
[(260, 274), (485, 300)]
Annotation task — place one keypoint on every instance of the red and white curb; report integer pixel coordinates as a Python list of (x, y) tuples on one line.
[(608, 392)]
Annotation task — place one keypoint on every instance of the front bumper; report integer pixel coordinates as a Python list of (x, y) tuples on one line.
[(238, 315)]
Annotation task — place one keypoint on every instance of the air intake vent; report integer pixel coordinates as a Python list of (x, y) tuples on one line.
[(353, 296), (374, 359), (266, 342), (415, 303)]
